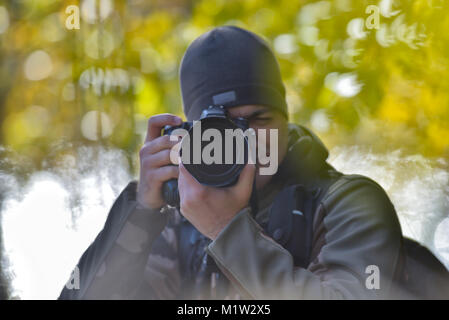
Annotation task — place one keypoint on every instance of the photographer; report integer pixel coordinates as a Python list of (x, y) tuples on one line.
[(307, 232)]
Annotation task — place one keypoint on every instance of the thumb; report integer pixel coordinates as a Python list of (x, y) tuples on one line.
[(245, 184), (185, 179)]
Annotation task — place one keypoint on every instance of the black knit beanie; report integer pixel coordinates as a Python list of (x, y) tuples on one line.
[(230, 66)]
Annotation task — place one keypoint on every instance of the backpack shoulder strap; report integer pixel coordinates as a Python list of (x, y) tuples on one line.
[(291, 216), (290, 221)]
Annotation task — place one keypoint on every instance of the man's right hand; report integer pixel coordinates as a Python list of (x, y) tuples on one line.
[(155, 164)]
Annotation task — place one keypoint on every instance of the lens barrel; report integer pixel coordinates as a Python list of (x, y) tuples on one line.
[(222, 174)]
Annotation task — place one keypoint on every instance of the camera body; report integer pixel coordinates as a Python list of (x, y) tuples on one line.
[(223, 174)]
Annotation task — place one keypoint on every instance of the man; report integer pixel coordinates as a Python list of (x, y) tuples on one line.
[(218, 246)]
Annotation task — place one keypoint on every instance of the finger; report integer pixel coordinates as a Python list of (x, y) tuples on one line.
[(159, 144), (160, 159), (246, 179), (156, 123), (166, 173)]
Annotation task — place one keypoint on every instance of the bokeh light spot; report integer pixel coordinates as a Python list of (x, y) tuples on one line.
[(4, 19), (38, 65), (90, 127)]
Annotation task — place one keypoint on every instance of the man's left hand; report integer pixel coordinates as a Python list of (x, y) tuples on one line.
[(210, 209)]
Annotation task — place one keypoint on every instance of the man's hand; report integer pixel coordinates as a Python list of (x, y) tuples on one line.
[(155, 164), (211, 209)]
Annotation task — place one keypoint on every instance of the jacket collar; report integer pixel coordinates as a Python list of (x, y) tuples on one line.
[(305, 158)]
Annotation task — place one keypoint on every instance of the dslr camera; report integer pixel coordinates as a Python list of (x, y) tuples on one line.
[(222, 173)]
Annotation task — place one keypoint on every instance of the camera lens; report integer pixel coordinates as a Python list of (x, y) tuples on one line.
[(229, 154)]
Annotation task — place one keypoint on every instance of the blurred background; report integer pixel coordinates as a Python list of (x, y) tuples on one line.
[(371, 78)]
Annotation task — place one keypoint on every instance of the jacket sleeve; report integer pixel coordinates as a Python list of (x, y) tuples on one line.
[(113, 266), (357, 240)]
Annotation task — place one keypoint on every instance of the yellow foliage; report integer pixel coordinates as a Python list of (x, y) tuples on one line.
[(394, 108), (434, 103), (406, 87), (438, 135), (148, 99)]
